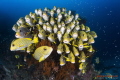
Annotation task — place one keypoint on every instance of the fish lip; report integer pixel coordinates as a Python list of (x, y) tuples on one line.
[(59, 52), (85, 39)]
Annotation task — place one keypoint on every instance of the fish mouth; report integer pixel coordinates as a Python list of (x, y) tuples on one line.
[(85, 39), (65, 41), (82, 60), (59, 52), (81, 46)]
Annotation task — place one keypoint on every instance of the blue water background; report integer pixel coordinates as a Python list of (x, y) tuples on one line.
[(103, 17)]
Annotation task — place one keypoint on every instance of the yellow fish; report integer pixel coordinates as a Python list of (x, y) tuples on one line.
[(38, 27), (42, 34), (93, 33), (17, 56), (71, 57), (90, 39), (74, 34), (82, 66), (49, 28), (87, 29), (15, 27), (77, 27), (51, 37), (59, 35), (60, 48), (91, 49), (55, 28), (41, 53), (97, 60), (83, 36), (52, 21), (67, 50), (82, 27), (82, 57), (75, 51), (62, 60), (21, 43), (66, 38), (80, 44), (19, 65), (40, 21)]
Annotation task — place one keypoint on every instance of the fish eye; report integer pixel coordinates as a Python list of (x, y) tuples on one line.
[(83, 34), (20, 31), (45, 49), (13, 45)]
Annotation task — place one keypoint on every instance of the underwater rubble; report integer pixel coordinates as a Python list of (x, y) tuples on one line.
[(53, 44)]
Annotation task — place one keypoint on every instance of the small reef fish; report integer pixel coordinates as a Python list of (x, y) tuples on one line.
[(51, 37), (42, 34), (87, 29), (62, 29), (82, 57), (90, 39), (23, 32), (71, 57), (15, 27), (52, 21), (40, 12), (91, 48), (82, 66), (17, 56), (29, 20), (52, 12), (80, 44), (40, 21), (45, 16), (97, 60), (55, 29), (22, 43), (60, 48), (82, 26), (75, 51), (66, 38), (41, 53), (62, 60), (76, 16), (21, 21), (39, 27), (68, 19), (74, 34), (67, 50), (49, 28), (83, 36), (44, 26), (54, 8), (19, 65), (93, 34), (58, 10), (77, 27), (59, 17), (59, 35)]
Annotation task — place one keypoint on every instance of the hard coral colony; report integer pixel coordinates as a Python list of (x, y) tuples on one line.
[(57, 39)]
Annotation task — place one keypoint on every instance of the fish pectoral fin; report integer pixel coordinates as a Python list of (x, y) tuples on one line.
[(41, 59)]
